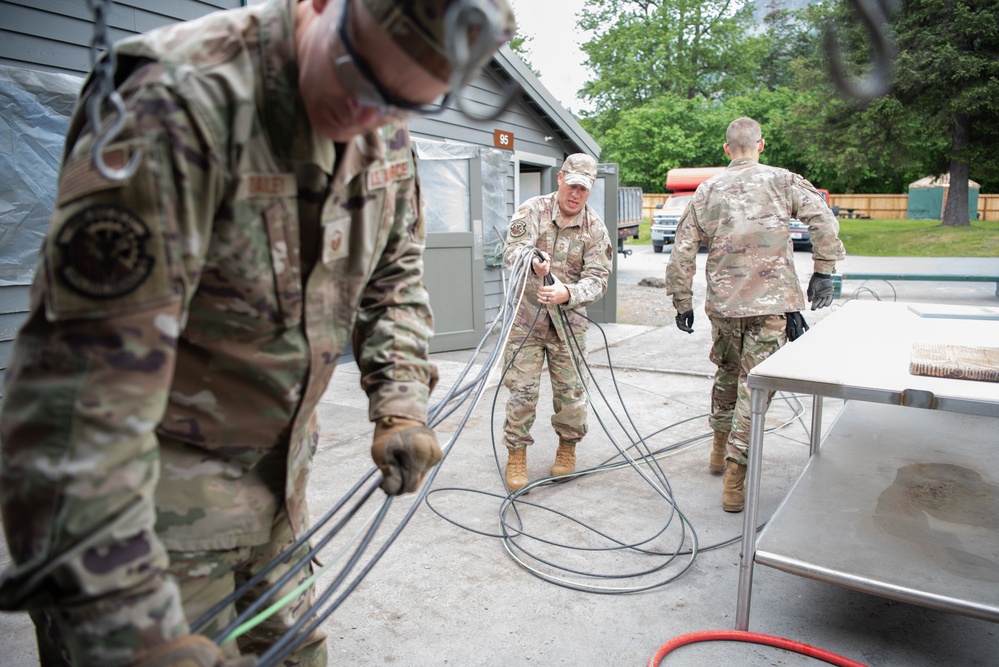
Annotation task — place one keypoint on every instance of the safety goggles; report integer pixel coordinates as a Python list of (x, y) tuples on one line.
[(357, 76)]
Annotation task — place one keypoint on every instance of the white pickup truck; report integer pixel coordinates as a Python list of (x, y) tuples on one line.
[(682, 182)]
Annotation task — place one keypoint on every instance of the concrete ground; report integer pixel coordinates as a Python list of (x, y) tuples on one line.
[(449, 592)]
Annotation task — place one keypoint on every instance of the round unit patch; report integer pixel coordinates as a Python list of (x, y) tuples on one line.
[(518, 228), (102, 252)]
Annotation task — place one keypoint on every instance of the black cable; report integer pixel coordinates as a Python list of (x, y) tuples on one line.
[(299, 632), (458, 395), (510, 540), (512, 532), (253, 581)]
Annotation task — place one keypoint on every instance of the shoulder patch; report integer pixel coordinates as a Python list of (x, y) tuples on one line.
[(518, 228), (102, 252), (79, 177)]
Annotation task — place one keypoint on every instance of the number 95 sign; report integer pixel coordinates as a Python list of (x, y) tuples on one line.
[(503, 139)]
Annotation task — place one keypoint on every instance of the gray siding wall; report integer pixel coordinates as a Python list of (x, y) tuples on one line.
[(55, 36)]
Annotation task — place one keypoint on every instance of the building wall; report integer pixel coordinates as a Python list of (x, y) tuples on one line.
[(55, 36)]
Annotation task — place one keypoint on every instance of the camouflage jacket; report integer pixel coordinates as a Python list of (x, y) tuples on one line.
[(185, 323), (742, 216), (582, 258)]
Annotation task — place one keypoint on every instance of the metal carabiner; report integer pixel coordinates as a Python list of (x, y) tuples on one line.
[(103, 136), (105, 92), (873, 13), (463, 19)]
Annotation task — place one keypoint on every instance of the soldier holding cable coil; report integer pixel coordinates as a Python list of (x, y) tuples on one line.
[(573, 260)]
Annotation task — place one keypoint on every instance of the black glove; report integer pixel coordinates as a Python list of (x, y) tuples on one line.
[(796, 325), (820, 290), (685, 321), (404, 450)]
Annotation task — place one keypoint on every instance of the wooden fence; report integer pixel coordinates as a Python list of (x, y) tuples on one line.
[(649, 202), (873, 206)]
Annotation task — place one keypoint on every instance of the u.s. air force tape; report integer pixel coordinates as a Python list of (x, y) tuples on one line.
[(102, 252)]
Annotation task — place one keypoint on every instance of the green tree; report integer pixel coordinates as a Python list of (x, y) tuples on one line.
[(644, 49), (671, 131), (947, 74), (521, 45), (788, 38), (836, 141)]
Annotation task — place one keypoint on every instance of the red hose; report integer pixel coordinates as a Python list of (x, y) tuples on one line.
[(753, 638)]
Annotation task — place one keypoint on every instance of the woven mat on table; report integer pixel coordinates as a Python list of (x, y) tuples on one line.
[(955, 361)]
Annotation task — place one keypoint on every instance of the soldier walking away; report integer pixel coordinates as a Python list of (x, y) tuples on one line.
[(160, 415), (753, 296), (573, 260)]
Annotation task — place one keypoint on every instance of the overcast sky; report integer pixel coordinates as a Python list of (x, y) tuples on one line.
[(555, 36)]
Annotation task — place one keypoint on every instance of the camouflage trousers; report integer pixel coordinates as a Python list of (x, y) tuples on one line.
[(739, 344), (203, 578), (523, 379)]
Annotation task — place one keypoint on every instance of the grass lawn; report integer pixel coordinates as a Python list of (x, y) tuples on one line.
[(644, 234), (902, 238), (918, 238)]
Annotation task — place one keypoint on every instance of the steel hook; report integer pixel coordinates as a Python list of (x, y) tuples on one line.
[(872, 14), (471, 27), (104, 135)]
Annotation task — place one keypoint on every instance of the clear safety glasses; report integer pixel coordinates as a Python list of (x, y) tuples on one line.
[(357, 76)]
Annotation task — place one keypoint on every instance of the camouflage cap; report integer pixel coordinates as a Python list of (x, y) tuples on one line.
[(421, 28), (579, 169)]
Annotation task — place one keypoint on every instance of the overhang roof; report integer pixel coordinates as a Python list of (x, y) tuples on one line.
[(540, 100)]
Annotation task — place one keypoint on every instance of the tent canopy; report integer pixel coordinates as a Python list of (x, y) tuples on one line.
[(928, 194), (941, 181)]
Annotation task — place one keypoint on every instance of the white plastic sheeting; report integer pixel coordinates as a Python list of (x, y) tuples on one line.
[(445, 179), (35, 108)]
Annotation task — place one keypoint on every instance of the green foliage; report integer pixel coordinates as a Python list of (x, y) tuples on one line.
[(948, 67), (671, 74), (644, 49), (672, 132), (521, 46)]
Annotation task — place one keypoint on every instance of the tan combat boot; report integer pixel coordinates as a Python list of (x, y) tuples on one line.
[(565, 459), (717, 461), (516, 469), (734, 487)]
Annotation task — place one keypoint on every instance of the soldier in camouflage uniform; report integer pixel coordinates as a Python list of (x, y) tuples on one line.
[(159, 418), (576, 252), (753, 295)]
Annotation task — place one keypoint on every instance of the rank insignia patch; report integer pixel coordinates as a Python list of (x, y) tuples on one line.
[(102, 252)]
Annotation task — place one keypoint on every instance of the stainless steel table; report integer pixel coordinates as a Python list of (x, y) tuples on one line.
[(897, 501)]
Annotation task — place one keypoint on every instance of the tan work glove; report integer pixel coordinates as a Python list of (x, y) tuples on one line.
[(404, 450), (191, 651)]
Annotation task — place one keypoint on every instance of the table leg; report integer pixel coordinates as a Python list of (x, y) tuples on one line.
[(758, 410), (816, 437)]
